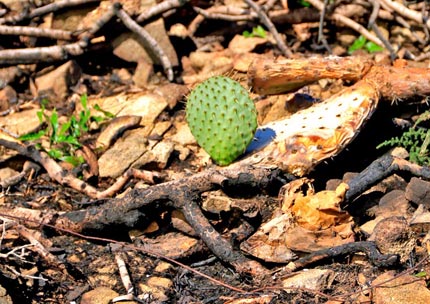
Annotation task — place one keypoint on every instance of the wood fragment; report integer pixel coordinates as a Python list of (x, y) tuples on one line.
[(267, 76), (160, 8), (369, 248), (35, 32)]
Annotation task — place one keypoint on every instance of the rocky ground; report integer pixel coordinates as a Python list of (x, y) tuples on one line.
[(107, 197)]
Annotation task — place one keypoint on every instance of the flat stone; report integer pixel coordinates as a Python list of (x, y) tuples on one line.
[(4, 297), (129, 46), (99, 295), (393, 236), (418, 191), (55, 84), (144, 104), (20, 123), (183, 135), (314, 279), (159, 155), (123, 153), (405, 289), (7, 97), (393, 203)]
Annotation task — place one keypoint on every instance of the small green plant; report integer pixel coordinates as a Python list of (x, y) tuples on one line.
[(362, 43), (222, 117), (64, 138), (415, 140), (304, 3), (257, 31)]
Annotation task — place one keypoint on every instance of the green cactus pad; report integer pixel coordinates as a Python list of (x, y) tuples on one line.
[(222, 118)]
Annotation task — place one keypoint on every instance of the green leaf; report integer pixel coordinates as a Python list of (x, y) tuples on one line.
[(55, 153), (372, 47), (40, 115), (84, 118), (259, 31), (74, 160), (358, 44), (53, 121), (98, 119), (64, 128), (32, 136), (304, 3), (421, 274), (106, 113), (246, 34), (68, 139), (84, 101)]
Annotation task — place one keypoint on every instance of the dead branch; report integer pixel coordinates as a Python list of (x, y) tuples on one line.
[(369, 248), (271, 27), (46, 9), (42, 54), (393, 83), (36, 32), (381, 168), (160, 8), (406, 12), (278, 76), (348, 22), (63, 177), (150, 42)]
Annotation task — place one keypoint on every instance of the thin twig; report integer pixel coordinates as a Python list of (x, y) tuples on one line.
[(36, 32), (349, 23), (376, 6), (57, 173), (150, 42), (125, 278), (321, 37), (386, 43), (42, 54), (271, 27), (160, 8), (406, 12), (43, 10), (57, 5), (212, 14)]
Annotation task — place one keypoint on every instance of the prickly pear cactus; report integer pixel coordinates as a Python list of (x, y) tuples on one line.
[(222, 118)]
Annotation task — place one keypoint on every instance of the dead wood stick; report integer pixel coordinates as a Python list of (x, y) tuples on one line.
[(127, 210), (150, 42), (369, 248), (381, 168), (271, 27), (181, 194), (46, 9), (211, 13), (393, 83), (42, 54), (35, 32), (348, 22), (159, 8), (63, 177), (402, 10), (216, 243), (57, 52), (275, 76)]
